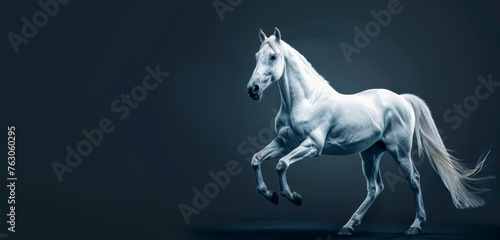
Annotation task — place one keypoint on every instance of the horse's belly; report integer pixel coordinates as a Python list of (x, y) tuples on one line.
[(336, 148), (351, 142)]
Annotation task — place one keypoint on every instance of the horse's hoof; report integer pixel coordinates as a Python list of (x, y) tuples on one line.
[(413, 231), (274, 198), (346, 231), (296, 199)]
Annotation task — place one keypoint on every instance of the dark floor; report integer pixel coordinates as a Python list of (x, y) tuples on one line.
[(327, 230)]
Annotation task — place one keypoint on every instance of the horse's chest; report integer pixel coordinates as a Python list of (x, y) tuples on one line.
[(290, 137), (294, 130)]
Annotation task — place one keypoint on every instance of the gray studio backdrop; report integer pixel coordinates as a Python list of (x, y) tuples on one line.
[(71, 72)]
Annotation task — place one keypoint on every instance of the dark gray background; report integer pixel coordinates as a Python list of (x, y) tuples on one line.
[(65, 78)]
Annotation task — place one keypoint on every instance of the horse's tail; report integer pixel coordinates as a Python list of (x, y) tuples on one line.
[(462, 182)]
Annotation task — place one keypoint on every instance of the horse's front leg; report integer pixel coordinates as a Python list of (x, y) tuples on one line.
[(306, 150), (274, 149)]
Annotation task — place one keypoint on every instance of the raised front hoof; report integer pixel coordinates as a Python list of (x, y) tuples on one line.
[(274, 198), (413, 231), (296, 199), (346, 231)]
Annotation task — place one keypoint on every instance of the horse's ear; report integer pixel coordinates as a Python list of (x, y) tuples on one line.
[(262, 35), (277, 34)]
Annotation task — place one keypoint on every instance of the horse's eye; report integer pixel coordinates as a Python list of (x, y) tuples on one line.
[(273, 57)]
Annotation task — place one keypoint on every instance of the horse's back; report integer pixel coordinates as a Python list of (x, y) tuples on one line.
[(379, 94), (387, 101)]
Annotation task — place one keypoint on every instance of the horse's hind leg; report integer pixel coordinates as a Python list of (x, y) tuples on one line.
[(403, 158), (370, 160)]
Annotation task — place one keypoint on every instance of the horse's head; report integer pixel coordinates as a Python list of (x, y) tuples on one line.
[(270, 64)]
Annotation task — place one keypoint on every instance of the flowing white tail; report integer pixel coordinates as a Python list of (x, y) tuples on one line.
[(462, 182)]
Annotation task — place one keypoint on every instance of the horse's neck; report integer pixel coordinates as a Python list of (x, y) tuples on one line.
[(292, 90), (300, 81)]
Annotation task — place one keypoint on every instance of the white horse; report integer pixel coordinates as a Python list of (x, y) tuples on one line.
[(315, 119)]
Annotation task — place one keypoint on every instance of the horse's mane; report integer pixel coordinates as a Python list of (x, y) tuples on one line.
[(286, 49)]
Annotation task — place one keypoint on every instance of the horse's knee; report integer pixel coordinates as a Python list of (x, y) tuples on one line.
[(255, 163), (281, 167)]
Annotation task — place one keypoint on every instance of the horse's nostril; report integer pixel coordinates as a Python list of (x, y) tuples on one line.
[(255, 88)]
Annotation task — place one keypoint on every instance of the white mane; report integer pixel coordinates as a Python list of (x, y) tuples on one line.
[(290, 53)]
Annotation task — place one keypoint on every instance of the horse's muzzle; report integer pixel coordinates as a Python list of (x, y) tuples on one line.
[(253, 92)]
